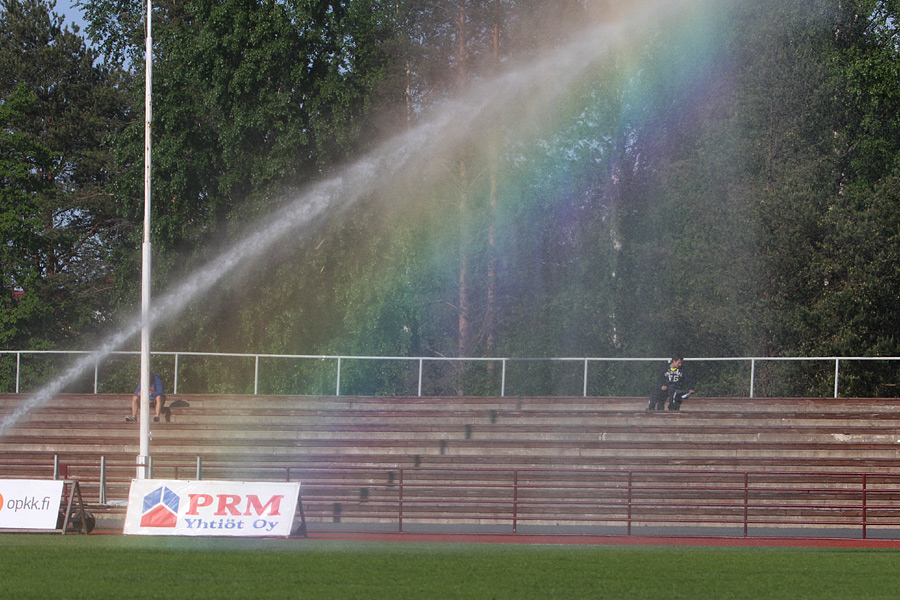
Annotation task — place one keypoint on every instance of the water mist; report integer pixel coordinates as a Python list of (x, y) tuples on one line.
[(510, 101)]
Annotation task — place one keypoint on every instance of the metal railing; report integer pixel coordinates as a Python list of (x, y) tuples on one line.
[(577, 500), (832, 365)]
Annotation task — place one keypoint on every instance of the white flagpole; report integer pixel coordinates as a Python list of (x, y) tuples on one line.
[(143, 458)]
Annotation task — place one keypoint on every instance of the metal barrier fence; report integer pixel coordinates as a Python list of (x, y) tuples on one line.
[(726, 503), (831, 369)]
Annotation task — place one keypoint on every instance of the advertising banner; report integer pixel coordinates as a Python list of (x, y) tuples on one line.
[(211, 508), (29, 503)]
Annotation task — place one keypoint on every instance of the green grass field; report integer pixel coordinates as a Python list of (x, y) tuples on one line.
[(44, 566)]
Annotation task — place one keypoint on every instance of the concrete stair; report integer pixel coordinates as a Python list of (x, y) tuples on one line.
[(336, 443)]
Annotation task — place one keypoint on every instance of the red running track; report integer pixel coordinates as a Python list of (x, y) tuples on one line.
[(608, 540)]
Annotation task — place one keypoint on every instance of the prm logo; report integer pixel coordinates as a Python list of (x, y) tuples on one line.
[(160, 508)]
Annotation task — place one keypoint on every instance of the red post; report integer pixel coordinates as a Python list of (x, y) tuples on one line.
[(746, 501), (864, 505), (515, 514), (400, 505), (629, 503)]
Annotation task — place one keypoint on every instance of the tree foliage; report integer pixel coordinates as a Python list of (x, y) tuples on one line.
[(58, 109), (722, 182)]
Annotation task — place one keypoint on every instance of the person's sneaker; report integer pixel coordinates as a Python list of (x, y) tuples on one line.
[(130, 419), (156, 419)]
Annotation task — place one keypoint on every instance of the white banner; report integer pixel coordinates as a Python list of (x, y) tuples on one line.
[(211, 508), (29, 503)]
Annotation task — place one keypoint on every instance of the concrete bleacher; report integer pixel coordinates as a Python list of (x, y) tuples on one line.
[(350, 450)]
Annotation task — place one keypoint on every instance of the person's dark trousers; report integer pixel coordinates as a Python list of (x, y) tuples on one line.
[(675, 400)]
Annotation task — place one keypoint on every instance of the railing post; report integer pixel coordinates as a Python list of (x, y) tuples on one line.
[(102, 480), (400, 503), (503, 379), (96, 374), (628, 510), (18, 369), (864, 506), (55, 467), (746, 502), (256, 376), (175, 376), (585, 376), (338, 385), (515, 515), (752, 375), (199, 468), (837, 370), (420, 377)]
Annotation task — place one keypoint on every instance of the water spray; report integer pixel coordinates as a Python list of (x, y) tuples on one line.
[(534, 88)]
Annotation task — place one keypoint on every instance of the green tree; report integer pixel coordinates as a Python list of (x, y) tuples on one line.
[(829, 166), (251, 100), (694, 194), (58, 109), (855, 309), (866, 59)]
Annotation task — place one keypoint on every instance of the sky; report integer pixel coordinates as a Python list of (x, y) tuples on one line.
[(72, 15)]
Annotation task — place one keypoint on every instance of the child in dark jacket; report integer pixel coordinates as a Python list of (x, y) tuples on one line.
[(673, 385)]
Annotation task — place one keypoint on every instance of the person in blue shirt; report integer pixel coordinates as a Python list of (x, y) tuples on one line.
[(157, 397)]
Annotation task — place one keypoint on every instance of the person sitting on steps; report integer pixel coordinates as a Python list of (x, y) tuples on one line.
[(157, 398), (672, 385)]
